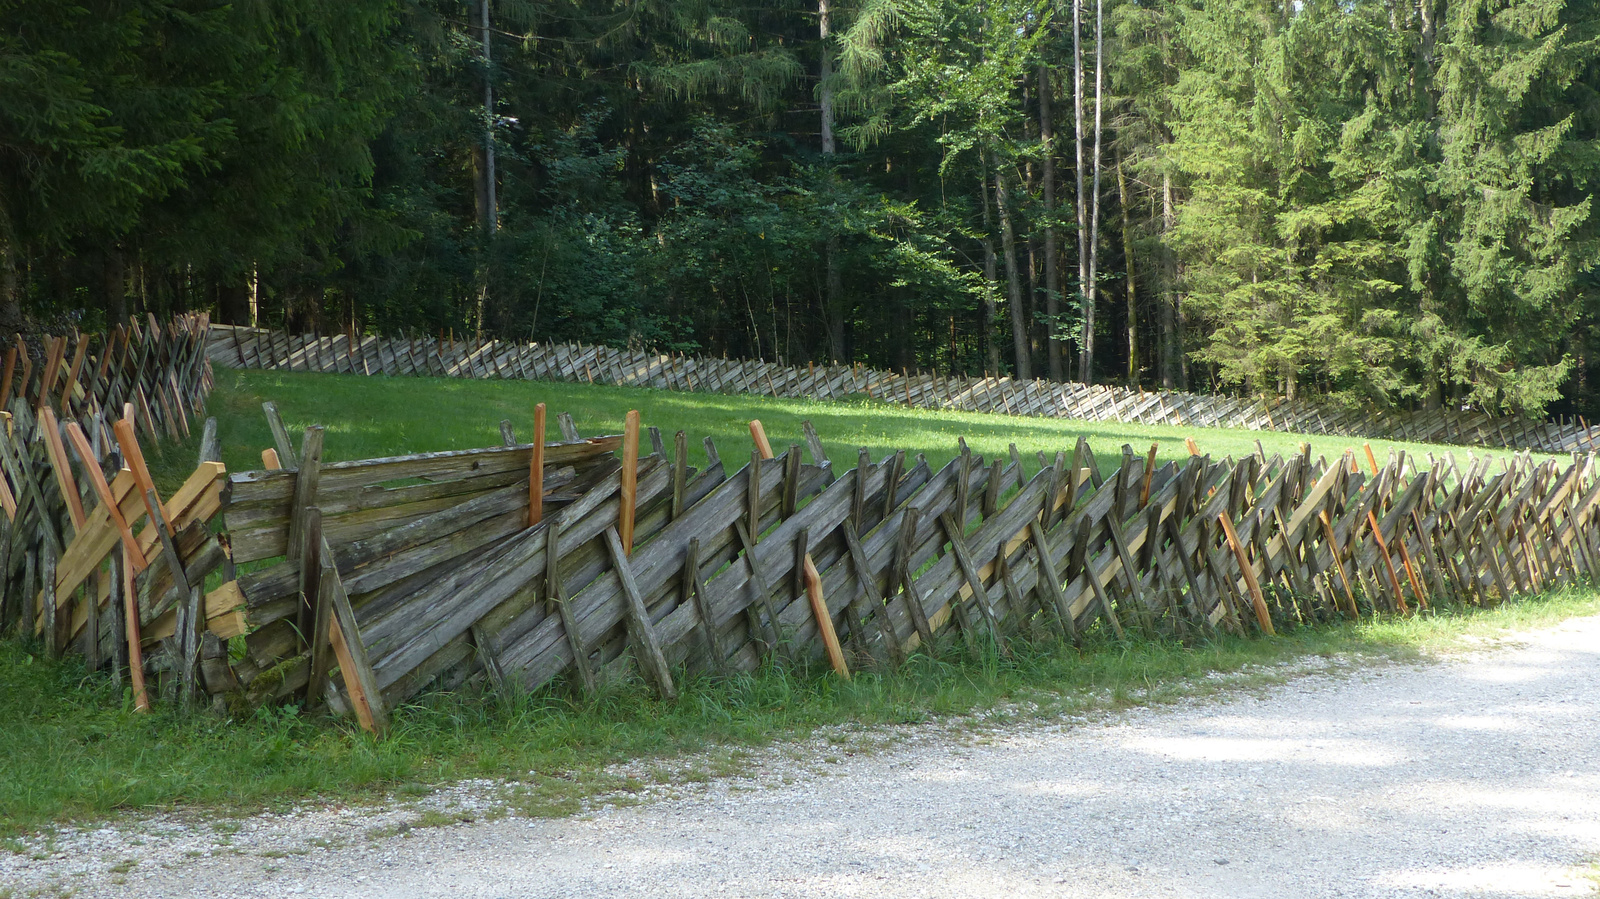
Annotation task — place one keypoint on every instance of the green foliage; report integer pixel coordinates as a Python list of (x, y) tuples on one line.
[(1401, 230), (1340, 198)]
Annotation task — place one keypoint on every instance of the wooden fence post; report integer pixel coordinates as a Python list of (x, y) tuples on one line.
[(646, 642), (813, 580), (1263, 617), (536, 469), (629, 493)]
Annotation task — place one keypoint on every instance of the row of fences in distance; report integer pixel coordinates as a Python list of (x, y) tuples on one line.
[(75, 488), (240, 347), (354, 586)]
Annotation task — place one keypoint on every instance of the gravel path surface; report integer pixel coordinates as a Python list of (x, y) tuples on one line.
[(1479, 776)]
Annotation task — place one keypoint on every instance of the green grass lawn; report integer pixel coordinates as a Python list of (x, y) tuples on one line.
[(371, 417)]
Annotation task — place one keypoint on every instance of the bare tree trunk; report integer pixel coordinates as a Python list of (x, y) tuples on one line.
[(1008, 238), (825, 84), (1094, 204), (1052, 268), (480, 194), (834, 312), (491, 212), (489, 203), (1133, 293), (1033, 310), (1177, 369), (991, 347), (1085, 293), (1033, 252)]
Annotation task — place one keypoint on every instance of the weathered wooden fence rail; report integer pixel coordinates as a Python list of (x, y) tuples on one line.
[(73, 485), (393, 576), (354, 586), (238, 347)]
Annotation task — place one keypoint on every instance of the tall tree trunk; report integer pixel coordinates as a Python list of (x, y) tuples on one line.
[(480, 194), (1176, 371), (114, 286), (1427, 300), (490, 205), (1033, 252), (1085, 293), (1133, 293), (1030, 294), (1052, 269), (1008, 239), (1428, 25), (991, 346), (491, 208), (834, 312), (1087, 363), (825, 83)]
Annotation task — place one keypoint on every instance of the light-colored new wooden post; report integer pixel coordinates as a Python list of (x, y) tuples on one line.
[(758, 433), (132, 457), (629, 493), (1388, 563), (813, 580), (134, 460), (1344, 578), (536, 469), (61, 466), (1259, 602), (97, 479), (1149, 472)]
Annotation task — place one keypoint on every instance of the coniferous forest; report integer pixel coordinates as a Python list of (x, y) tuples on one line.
[(1373, 200)]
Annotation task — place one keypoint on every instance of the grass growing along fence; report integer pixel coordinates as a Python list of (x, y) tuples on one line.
[(73, 752), (371, 417)]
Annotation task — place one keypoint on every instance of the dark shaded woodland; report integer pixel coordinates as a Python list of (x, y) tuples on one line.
[(1370, 200)]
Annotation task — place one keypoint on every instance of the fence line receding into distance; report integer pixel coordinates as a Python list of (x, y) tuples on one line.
[(240, 347), (361, 584), (74, 487)]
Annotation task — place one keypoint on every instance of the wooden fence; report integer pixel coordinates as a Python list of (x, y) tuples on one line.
[(356, 585), (366, 582), (74, 482), (239, 347)]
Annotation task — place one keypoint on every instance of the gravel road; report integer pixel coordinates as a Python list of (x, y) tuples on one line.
[(1478, 776)]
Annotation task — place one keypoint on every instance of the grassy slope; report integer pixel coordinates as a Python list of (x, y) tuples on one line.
[(71, 749), (370, 417)]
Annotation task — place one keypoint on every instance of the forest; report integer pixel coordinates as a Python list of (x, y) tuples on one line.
[(1365, 200)]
